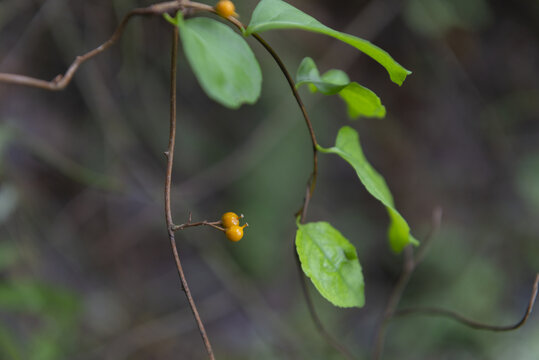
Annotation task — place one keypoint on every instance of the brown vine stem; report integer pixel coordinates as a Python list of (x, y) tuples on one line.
[(303, 211), (168, 180), (311, 184), (62, 80), (189, 223), (472, 323), (213, 224), (409, 264)]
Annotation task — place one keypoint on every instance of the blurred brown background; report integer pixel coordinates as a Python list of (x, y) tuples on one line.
[(86, 270)]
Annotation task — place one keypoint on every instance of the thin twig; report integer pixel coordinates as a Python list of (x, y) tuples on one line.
[(188, 224), (62, 80), (213, 224), (311, 184), (168, 180), (409, 264), (472, 323)]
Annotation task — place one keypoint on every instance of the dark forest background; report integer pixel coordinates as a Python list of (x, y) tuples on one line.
[(86, 270)]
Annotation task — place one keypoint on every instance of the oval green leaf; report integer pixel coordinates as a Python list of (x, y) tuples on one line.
[(223, 63), (331, 262), (276, 14), (359, 100), (348, 147), (362, 102)]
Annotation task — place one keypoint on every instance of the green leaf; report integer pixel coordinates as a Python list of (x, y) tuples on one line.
[(335, 76), (328, 84), (360, 100), (276, 14), (331, 262), (347, 146), (223, 63)]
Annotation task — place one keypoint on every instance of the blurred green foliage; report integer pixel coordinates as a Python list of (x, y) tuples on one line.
[(435, 18), (49, 311)]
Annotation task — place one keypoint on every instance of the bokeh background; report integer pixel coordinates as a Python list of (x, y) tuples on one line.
[(86, 270)]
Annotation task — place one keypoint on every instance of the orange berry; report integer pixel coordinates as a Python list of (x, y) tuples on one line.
[(226, 8), (230, 219), (235, 232)]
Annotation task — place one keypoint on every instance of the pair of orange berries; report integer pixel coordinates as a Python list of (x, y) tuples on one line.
[(226, 8), (231, 223)]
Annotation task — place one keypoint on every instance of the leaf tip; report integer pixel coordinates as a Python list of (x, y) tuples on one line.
[(397, 246), (398, 78)]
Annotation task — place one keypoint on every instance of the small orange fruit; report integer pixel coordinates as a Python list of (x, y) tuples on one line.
[(230, 219), (226, 8), (235, 232)]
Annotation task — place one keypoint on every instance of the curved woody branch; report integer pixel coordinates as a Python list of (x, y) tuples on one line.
[(168, 180), (410, 263), (431, 311), (62, 80), (189, 223)]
